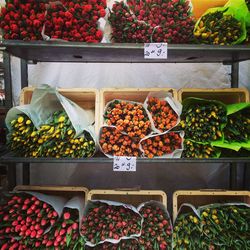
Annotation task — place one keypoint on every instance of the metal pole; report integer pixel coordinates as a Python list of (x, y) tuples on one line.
[(235, 75), (11, 175), (24, 83), (11, 167), (234, 84), (24, 73), (246, 177), (26, 173), (7, 80)]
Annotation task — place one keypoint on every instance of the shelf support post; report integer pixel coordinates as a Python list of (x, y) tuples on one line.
[(235, 75), (24, 83), (234, 84), (24, 73), (246, 176), (11, 167), (11, 176), (7, 80)]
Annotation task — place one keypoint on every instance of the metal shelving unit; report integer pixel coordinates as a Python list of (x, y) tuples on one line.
[(40, 51)]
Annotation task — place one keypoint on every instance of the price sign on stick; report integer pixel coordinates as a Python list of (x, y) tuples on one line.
[(155, 50), (124, 164)]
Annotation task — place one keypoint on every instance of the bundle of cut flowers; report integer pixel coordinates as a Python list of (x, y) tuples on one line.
[(152, 21), (53, 139), (26, 218), (67, 20)]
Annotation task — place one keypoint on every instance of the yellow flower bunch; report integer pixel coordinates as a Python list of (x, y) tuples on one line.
[(54, 139)]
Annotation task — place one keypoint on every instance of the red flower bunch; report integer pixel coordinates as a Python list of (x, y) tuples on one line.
[(75, 20), (25, 216), (70, 20), (105, 221), (22, 20), (161, 144), (156, 229), (163, 115), (64, 234), (113, 142), (125, 28), (153, 20)]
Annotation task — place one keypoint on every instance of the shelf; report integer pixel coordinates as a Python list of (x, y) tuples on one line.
[(9, 158), (45, 51)]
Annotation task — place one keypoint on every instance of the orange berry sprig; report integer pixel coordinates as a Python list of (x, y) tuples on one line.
[(128, 117), (113, 142), (163, 115), (161, 144)]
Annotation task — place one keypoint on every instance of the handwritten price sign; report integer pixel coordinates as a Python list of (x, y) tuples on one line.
[(155, 50), (124, 164)]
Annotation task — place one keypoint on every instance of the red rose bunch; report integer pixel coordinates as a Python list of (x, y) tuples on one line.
[(22, 20), (75, 20), (153, 20), (105, 221), (64, 234), (156, 229), (113, 142), (163, 115), (25, 216), (161, 144)]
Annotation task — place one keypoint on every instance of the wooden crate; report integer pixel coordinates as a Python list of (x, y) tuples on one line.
[(64, 191), (87, 99), (227, 96), (205, 197), (129, 94), (128, 196)]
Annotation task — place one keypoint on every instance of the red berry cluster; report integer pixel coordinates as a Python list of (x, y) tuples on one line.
[(27, 217), (152, 20), (68, 20), (105, 221), (156, 229)]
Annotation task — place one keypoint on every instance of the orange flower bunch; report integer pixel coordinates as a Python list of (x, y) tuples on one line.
[(161, 144), (163, 115), (113, 142), (129, 117)]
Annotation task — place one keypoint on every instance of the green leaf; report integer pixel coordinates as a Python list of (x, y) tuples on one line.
[(68, 239), (233, 108)]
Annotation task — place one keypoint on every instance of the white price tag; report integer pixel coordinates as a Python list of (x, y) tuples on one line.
[(124, 164), (155, 50)]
